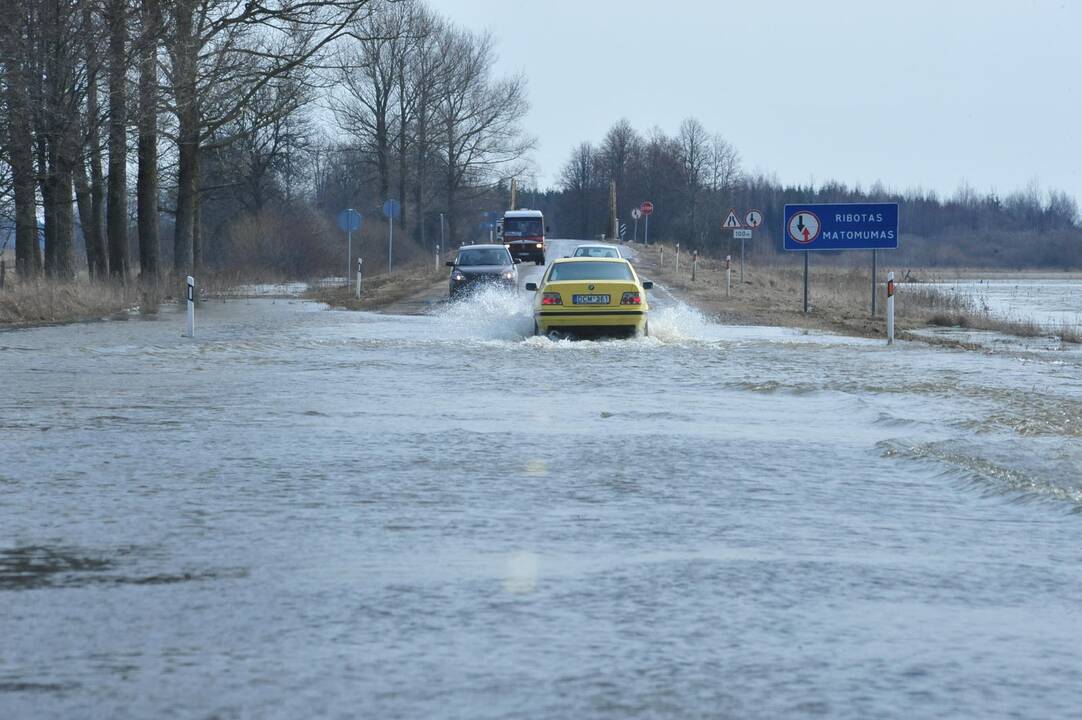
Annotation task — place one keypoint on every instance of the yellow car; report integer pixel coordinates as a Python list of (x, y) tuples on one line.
[(591, 296)]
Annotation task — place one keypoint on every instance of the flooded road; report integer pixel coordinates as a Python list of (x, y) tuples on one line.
[(309, 513)]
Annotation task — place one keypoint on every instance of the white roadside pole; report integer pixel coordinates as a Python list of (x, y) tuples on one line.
[(728, 275), (890, 308), (390, 245), (677, 257), (191, 306), (437, 256), (359, 262)]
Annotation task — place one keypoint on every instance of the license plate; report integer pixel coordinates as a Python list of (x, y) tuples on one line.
[(590, 299)]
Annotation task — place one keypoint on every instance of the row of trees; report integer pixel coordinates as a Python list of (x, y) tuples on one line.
[(694, 177), (247, 125)]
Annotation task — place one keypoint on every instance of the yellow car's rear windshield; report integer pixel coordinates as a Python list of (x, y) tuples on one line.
[(591, 271)]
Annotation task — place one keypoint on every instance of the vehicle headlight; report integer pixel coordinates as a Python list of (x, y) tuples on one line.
[(540, 245), (458, 277), (508, 274)]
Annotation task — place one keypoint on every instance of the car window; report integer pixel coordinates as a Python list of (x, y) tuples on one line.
[(597, 252), (591, 271), (522, 227), (484, 256)]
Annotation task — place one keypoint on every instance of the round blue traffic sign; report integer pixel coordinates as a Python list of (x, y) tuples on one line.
[(349, 220), (392, 208)]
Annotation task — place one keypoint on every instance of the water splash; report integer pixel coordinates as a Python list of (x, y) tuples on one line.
[(488, 314)]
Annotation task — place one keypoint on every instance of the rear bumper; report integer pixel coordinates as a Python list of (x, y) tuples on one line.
[(567, 319), (526, 250)]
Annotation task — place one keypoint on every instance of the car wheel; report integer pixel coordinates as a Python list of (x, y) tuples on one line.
[(540, 261)]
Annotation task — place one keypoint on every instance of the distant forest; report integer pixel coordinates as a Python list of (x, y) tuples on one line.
[(146, 138), (695, 177)]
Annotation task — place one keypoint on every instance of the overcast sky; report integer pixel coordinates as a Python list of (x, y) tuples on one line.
[(912, 92)]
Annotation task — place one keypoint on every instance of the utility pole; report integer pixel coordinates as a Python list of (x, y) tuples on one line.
[(514, 194), (614, 228)]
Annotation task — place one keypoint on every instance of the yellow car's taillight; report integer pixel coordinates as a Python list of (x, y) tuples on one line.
[(551, 299)]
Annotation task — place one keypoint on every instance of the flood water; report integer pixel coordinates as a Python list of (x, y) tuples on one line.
[(1052, 302), (312, 513)]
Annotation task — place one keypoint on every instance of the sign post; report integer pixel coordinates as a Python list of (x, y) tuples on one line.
[(349, 221), (839, 226), (636, 213), (742, 234), (875, 272), (391, 210), (647, 209), (753, 219)]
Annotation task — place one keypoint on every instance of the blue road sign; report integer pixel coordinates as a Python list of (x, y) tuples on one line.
[(349, 220), (841, 226), (392, 208)]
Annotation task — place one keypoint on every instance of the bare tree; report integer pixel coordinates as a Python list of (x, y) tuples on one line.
[(15, 26), (147, 179), (579, 178), (116, 212), (479, 119), (694, 161), (222, 53)]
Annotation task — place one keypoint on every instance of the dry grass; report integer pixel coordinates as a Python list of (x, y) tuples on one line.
[(43, 302), (840, 299), (382, 290)]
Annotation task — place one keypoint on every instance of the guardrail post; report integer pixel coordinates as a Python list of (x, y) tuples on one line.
[(191, 306), (890, 308)]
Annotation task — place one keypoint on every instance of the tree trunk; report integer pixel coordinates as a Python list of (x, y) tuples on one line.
[(117, 209), (20, 151), (184, 90), (147, 182), (89, 190), (197, 233), (82, 201), (64, 252)]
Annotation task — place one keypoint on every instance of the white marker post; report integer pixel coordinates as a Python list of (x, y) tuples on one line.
[(662, 256), (677, 257), (191, 306), (694, 263), (728, 276), (890, 308), (359, 261)]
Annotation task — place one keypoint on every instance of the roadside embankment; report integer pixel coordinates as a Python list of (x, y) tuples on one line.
[(407, 291), (839, 299), (45, 302)]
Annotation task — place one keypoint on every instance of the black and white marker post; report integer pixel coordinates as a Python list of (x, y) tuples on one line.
[(191, 307), (890, 308)]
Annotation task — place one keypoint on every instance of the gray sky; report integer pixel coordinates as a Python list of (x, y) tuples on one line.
[(907, 92)]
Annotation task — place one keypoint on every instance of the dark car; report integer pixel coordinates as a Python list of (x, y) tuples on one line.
[(478, 265)]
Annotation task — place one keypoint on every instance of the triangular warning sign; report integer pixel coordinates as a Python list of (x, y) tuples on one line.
[(731, 221)]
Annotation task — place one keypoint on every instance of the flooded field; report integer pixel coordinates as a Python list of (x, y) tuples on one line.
[(1049, 302), (307, 513)]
